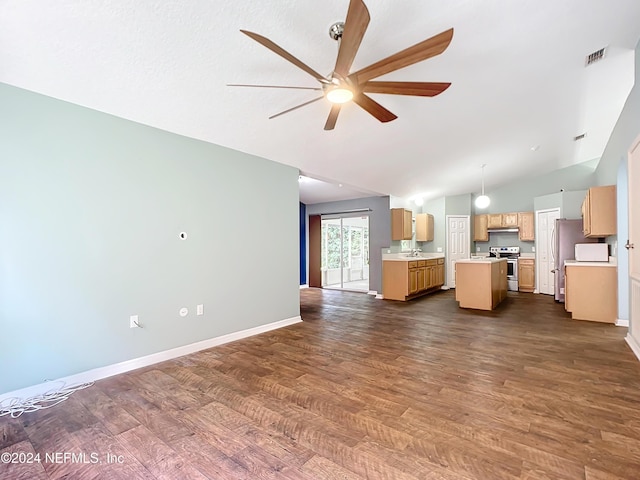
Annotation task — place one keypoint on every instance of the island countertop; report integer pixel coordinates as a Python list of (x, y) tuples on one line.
[(482, 260)]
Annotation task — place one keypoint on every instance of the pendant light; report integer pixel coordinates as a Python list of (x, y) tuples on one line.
[(483, 201)]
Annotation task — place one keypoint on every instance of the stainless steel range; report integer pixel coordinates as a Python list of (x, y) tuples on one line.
[(511, 254)]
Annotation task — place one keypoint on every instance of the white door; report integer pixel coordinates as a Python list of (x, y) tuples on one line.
[(545, 238), (458, 244), (633, 245)]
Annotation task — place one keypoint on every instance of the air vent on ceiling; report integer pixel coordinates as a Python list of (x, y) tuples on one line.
[(579, 137), (595, 56)]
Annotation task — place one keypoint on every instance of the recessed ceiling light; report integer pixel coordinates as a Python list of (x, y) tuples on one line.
[(340, 185), (535, 148)]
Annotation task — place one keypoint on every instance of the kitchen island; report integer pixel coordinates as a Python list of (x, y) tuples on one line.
[(481, 283)]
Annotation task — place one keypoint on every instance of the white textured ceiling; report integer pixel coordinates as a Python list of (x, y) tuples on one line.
[(516, 68)]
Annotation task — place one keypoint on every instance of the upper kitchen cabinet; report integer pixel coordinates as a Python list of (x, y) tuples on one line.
[(599, 212), (526, 231), (424, 227), (480, 228), (401, 228), (510, 220), (494, 220)]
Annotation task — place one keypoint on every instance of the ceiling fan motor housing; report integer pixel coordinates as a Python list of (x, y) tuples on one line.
[(336, 30)]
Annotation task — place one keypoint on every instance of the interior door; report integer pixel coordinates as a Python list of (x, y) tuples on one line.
[(545, 237), (633, 246), (458, 244)]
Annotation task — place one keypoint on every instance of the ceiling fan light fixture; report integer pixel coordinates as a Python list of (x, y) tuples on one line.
[(339, 94)]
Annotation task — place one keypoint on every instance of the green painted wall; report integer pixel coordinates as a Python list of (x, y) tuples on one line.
[(91, 207)]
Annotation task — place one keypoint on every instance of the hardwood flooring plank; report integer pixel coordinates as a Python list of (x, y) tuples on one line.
[(365, 388), (22, 463)]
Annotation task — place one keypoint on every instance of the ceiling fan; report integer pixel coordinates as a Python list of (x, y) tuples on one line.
[(342, 86)]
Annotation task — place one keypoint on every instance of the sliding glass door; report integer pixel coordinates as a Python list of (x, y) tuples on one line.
[(345, 252)]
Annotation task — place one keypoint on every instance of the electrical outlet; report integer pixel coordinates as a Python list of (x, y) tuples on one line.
[(533, 249), (133, 321), (439, 249), (200, 309), (184, 311)]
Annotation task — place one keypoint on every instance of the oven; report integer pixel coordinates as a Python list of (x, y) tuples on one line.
[(511, 254), (512, 274)]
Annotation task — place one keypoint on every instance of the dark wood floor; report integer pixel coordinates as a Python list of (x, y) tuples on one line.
[(363, 388)]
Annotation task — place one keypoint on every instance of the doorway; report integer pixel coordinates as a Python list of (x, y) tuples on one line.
[(344, 252), (633, 244), (458, 244), (545, 263)]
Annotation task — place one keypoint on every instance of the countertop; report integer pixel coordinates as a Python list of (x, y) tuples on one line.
[(402, 257), (574, 263), (482, 260)]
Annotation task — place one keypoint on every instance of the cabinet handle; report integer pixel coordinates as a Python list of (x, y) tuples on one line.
[(628, 245)]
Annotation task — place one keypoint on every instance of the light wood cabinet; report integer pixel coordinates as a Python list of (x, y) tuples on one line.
[(526, 229), (424, 227), (509, 220), (401, 224), (481, 284), (591, 292), (440, 272), (523, 221), (599, 212), (526, 274), (480, 226), (404, 280), (494, 220)]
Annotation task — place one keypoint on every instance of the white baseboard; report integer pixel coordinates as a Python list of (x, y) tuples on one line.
[(128, 365), (379, 296), (621, 322), (372, 292), (635, 346), (304, 286)]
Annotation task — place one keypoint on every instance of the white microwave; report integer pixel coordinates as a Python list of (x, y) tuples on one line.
[(592, 252)]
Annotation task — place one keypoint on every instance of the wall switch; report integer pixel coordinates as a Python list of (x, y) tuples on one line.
[(200, 310), (184, 311), (133, 321)]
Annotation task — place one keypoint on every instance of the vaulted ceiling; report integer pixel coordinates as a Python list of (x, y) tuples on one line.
[(520, 89)]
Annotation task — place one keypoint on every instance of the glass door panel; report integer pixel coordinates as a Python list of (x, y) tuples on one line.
[(345, 253)]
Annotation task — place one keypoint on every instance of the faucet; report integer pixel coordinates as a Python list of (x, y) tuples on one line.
[(416, 252)]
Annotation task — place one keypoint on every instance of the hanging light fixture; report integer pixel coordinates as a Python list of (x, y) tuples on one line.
[(483, 201)]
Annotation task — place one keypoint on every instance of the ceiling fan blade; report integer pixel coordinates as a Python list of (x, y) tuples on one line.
[(374, 108), (286, 55), (296, 107), (420, 89), (333, 117), (271, 86), (421, 51), (355, 26)]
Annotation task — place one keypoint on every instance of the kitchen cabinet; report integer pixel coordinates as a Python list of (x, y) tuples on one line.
[(404, 280), (599, 212), (480, 226), (494, 220), (440, 272), (591, 291), (509, 220), (481, 284), (424, 227), (526, 230), (401, 224), (526, 274)]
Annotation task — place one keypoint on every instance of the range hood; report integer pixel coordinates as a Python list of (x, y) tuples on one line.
[(503, 230)]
